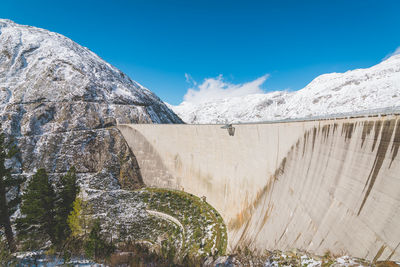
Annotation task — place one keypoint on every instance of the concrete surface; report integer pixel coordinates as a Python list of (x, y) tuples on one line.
[(327, 185)]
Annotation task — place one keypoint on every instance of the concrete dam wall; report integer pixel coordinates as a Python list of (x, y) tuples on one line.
[(327, 185)]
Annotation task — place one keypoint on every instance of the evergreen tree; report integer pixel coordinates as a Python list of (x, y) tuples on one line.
[(37, 224), (67, 194), (7, 183), (96, 247)]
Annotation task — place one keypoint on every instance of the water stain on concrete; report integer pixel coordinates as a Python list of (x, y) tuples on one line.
[(378, 126), (396, 143), (335, 125), (177, 163), (322, 241), (297, 238), (305, 137), (348, 129), (387, 132), (325, 131), (267, 214), (367, 128), (313, 138), (246, 213), (393, 251), (379, 254)]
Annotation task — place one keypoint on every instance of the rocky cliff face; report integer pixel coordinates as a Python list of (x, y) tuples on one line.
[(61, 102)]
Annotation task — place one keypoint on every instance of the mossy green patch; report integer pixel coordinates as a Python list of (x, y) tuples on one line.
[(204, 232)]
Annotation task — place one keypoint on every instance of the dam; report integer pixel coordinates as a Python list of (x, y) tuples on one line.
[(322, 186)]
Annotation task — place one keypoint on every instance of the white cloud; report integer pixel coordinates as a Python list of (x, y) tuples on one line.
[(218, 88), (396, 52), (190, 80)]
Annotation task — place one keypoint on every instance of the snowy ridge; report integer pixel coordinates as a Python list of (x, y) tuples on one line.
[(37, 65), (359, 90)]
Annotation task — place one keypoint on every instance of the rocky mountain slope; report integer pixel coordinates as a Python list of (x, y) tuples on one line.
[(60, 102), (353, 91)]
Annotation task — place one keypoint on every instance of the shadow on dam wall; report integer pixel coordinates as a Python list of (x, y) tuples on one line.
[(329, 185)]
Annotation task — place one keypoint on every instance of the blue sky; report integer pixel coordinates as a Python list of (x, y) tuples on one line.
[(157, 42)]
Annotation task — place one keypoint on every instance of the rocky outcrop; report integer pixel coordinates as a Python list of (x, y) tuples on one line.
[(61, 103)]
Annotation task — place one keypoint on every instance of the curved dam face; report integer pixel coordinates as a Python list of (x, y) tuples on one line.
[(328, 185)]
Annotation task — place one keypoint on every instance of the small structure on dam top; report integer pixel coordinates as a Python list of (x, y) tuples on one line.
[(231, 129)]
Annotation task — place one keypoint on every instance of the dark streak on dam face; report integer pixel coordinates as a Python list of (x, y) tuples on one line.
[(313, 185), (367, 128), (386, 136), (378, 125), (396, 143), (347, 129)]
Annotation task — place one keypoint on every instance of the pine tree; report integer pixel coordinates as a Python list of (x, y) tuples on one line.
[(67, 194), (37, 224), (96, 246), (7, 183)]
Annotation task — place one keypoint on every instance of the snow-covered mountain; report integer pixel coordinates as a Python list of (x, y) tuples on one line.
[(335, 93), (39, 65), (61, 102)]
